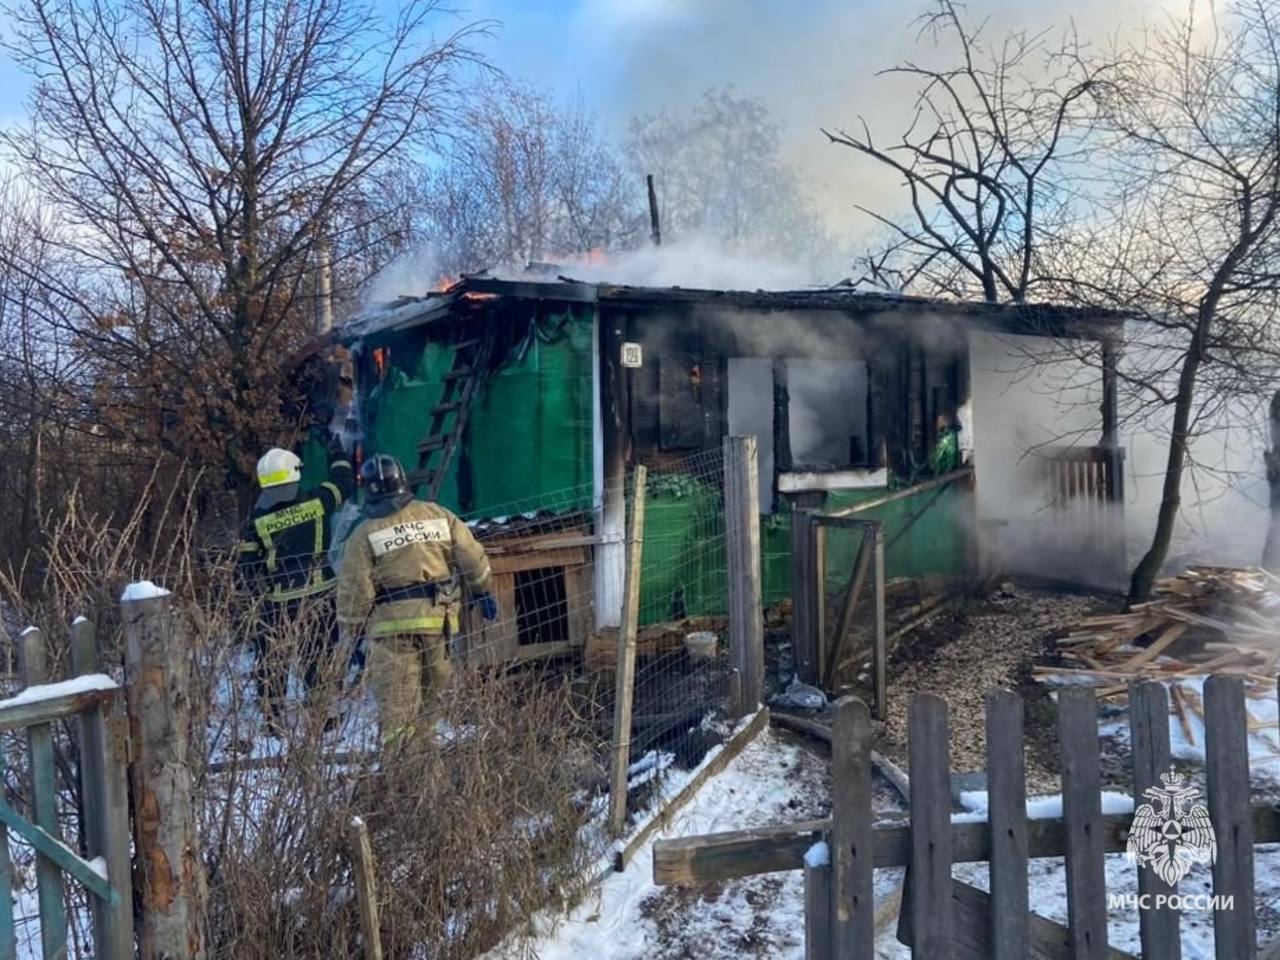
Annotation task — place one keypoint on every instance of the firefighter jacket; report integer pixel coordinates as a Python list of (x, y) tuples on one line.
[(284, 551), (401, 570)]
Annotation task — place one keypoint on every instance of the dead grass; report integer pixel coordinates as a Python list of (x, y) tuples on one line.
[(472, 833)]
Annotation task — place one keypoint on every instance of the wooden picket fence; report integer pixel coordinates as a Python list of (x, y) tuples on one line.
[(943, 918), (96, 704)]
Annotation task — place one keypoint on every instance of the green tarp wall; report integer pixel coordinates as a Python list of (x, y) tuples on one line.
[(529, 445), (684, 558), (529, 431)]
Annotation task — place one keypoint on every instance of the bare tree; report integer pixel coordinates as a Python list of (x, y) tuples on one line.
[(1194, 232), (526, 179), (987, 159), (199, 153), (720, 174)]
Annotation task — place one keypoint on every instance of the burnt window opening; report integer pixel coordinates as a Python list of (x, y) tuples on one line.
[(827, 414), (542, 606)]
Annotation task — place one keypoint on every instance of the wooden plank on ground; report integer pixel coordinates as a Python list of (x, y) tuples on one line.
[(930, 878), (1082, 820), (1149, 735), (1007, 814), (1227, 771), (1157, 647)]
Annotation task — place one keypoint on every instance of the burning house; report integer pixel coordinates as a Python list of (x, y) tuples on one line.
[(520, 398)]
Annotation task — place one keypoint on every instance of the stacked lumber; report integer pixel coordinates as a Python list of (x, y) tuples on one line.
[(1206, 620)]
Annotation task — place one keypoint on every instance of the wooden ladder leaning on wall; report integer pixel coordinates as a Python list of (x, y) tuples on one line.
[(458, 387)]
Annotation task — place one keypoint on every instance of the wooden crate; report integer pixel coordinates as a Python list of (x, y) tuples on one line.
[(566, 552)]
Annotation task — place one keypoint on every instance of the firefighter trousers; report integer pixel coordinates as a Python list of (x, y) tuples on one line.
[(302, 631), (406, 672)]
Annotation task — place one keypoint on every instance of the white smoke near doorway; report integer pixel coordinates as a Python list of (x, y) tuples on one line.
[(1031, 396)]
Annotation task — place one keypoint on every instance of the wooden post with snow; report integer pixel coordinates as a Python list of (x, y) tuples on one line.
[(742, 543), (104, 749), (158, 674), (624, 689)]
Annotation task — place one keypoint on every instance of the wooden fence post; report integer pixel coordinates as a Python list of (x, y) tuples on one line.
[(105, 789), (366, 888), (804, 591), (624, 687), (742, 543), (8, 933), (1082, 822), (817, 904), (1226, 749), (1007, 793), (157, 673), (881, 656), (929, 876), (853, 931), (44, 804), (1159, 924)]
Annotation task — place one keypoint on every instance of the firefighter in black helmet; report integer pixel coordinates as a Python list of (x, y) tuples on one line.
[(400, 586)]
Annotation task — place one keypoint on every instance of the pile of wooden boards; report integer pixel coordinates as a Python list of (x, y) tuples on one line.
[(1206, 620)]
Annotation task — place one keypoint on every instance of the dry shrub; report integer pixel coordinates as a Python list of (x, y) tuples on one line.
[(474, 827)]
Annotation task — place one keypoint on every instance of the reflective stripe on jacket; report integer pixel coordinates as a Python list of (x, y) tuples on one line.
[(283, 553), (419, 543)]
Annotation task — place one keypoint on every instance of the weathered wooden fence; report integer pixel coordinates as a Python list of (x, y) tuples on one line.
[(94, 701), (819, 649), (944, 918)]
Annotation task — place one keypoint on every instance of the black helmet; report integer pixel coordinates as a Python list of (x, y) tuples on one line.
[(383, 477)]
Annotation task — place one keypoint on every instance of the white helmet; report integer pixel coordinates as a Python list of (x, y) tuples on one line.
[(278, 467)]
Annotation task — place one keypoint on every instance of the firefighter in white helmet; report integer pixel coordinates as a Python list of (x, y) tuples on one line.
[(403, 569), (283, 560)]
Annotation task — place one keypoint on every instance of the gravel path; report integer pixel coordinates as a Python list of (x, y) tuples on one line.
[(972, 646)]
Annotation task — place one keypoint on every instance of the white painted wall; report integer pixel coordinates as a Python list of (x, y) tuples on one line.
[(1018, 406)]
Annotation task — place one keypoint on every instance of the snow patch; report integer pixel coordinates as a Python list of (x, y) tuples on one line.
[(977, 806), (79, 620), (819, 855), (52, 691), (99, 866), (142, 590)]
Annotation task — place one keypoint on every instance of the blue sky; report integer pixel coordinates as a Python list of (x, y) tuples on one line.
[(814, 62)]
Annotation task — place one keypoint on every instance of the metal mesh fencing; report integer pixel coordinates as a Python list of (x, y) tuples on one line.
[(493, 800)]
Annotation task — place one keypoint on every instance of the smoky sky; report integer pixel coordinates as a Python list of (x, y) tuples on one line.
[(813, 62)]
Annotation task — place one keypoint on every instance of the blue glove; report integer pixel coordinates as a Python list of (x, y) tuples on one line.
[(488, 605)]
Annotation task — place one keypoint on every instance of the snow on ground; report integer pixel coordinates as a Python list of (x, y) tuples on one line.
[(776, 781), (773, 781)]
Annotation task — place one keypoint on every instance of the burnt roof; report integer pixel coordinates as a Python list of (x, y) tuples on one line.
[(1045, 318)]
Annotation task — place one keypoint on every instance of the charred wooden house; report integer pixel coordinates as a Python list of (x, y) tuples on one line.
[(516, 399)]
